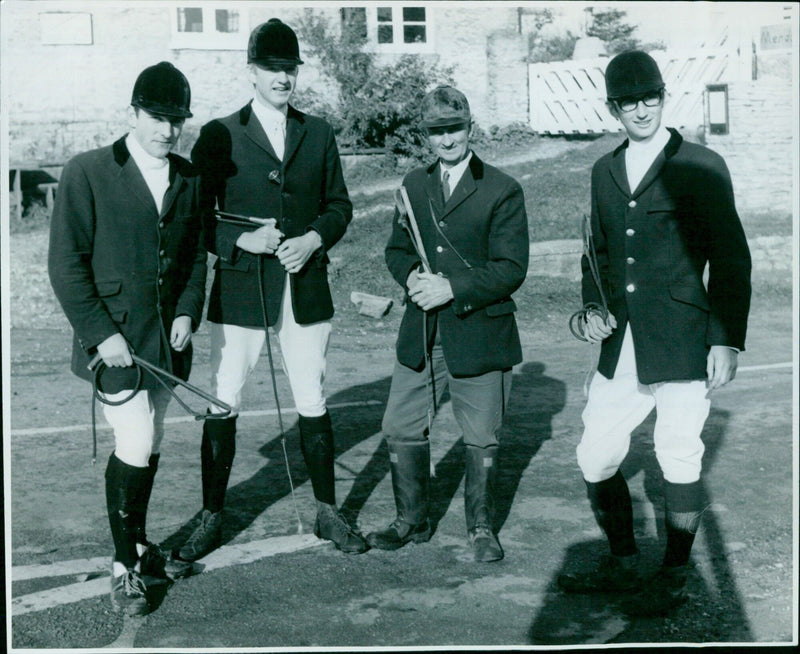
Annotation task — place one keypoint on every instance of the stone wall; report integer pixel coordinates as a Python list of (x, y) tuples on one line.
[(758, 148), (64, 99)]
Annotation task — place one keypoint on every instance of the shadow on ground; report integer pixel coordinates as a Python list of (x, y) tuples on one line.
[(714, 612)]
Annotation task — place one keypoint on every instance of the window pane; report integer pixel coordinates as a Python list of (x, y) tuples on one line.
[(190, 19), (227, 21), (384, 14), (355, 18), (414, 34), (414, 14), (385, 34)]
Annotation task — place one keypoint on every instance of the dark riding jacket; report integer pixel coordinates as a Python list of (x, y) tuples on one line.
[(485, 223), (241, 174), (653, 245), (118, 265)]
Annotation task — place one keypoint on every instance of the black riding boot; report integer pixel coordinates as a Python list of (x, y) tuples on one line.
[(217, 450), (611, 504), (125, 485), (316, 444), (683, 508), (144, 500), (410, 465), (479, 489)]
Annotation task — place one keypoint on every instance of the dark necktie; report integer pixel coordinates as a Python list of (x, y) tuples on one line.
[(446, 186)]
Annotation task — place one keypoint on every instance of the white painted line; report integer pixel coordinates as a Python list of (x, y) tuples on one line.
[(768, 366), (171, 421), (74, 567), (223, 557)]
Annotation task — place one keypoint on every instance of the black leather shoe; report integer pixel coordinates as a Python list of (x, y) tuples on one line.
[(205, 538), (128, 593), (662, 593), (485, 546), (400, 533), (332, 525), (155, 562), (615, 574)]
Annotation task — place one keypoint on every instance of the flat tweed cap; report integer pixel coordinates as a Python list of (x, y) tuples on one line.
[(444, 106)]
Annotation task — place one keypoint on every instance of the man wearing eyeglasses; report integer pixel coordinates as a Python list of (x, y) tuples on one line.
[(662, 211), (281, 167)]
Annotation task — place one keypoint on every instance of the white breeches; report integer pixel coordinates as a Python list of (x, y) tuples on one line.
[(138, 424), (235, 352), (615, 407)]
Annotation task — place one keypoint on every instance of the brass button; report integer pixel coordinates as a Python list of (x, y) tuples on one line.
[(632, 204), (439, 248), (630, 232), (630, 260), (630, 288)]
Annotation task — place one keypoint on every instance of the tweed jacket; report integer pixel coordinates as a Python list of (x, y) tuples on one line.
[(241, 174), (653, 245), (117, 265), (484, 221)]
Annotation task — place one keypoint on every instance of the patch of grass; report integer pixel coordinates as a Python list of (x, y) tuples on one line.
[(557, 190), (35, 217)]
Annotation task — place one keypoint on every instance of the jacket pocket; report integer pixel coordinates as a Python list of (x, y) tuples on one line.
[(242, 265), (690, 295), (662, 203), (108, 288), (501, 308), (119, 317)]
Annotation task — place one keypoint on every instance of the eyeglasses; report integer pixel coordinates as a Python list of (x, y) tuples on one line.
[(652, 99)]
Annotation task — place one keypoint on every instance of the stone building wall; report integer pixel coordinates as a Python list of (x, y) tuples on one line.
[(759, 149), (64, 99)]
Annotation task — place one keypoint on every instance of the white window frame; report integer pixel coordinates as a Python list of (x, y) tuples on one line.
[(398, 46), (209, 38)]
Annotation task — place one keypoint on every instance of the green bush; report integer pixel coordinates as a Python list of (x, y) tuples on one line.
[(375, 105)]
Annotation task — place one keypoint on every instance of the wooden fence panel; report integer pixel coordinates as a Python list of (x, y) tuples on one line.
[(568, 97)]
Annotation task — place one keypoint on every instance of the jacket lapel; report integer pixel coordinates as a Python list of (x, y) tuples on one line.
[(176, 183), (433, 189), (295, 133), (619, 172), (131, 176), (466, 185), (255, 132), (660, 161)]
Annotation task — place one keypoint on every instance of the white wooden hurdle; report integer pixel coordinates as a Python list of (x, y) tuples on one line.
[(568, 97)]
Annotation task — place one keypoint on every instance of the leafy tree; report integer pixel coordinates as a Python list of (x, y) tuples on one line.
[(609, 26), (374, 105), (554, 48)]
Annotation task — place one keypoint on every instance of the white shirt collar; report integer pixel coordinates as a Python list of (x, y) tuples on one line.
[(455, 172), (654, 145), (269, 116), (143, 159)]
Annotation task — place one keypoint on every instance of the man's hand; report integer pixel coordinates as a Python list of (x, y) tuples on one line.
[(181, 333), (264, 240), (430, 291), (294, 252), (115, 351), (721, 366), (596, 330), (413, 280)]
